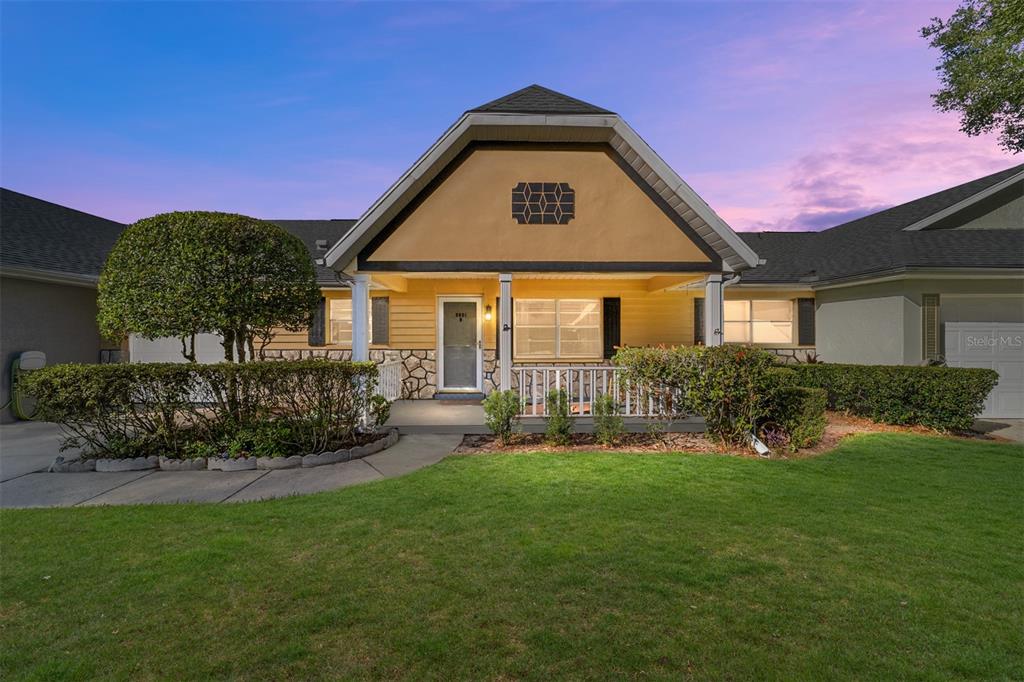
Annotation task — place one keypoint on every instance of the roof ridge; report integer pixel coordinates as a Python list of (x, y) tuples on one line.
[(62, 206), (556, 101), (982, 185)]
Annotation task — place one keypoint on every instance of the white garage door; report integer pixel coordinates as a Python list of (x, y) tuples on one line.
[(208, 349), (998, 346)]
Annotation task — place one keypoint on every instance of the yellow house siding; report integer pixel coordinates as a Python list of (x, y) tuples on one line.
[(647, 318)]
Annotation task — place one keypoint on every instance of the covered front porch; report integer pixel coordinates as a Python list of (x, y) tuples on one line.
[(462, 335)]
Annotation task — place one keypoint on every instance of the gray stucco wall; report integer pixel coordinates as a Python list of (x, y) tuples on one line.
[(879, 324), (861, 325), (58, 319)]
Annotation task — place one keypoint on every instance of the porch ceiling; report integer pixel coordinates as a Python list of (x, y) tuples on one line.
[(656, 281)]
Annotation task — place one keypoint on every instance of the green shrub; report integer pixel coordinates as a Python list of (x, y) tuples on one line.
[(800, 414), (943, 398), (559, 426), (608, 424), (380, 410), (502, 410), (129, 410), (729, 386)]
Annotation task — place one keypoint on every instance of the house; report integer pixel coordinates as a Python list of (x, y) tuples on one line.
[(540, 232), (937, 278), (50, 261)]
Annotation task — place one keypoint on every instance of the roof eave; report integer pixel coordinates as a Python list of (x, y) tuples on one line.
[(50, 276)]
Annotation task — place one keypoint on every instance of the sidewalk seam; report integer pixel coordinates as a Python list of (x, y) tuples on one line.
[(114, 488), (244, 486)]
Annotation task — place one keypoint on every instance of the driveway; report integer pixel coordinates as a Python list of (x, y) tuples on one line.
[(29, 446), (26, 449), (1011, 429)]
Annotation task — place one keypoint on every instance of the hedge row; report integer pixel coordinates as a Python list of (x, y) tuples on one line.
[(944, 398), (264, 408), (799, 413)]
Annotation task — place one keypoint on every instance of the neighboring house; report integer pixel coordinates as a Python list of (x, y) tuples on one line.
[(50, 261), (542, 232), (940, 277)]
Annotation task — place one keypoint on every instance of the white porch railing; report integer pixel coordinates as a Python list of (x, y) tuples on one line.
[(584, 385), (389, 379)]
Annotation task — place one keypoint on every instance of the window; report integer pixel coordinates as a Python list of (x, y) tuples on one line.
[(546, 329), (341, 321), (768, 322)]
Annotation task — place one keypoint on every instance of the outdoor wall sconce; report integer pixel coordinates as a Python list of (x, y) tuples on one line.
[(487, 313)]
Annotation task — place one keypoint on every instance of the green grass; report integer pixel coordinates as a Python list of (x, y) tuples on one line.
[(894, 556)]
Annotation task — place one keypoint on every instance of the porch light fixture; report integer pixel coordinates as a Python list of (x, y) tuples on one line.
[(487, 313)]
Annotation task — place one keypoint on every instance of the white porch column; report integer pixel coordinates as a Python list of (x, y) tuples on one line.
[(505, 338), (713, 310), (361, 317)]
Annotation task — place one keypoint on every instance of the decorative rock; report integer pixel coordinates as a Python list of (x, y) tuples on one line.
[(228, 464), (73, 466), (293, 462), (392, 437), (127, 464), (193, 464)]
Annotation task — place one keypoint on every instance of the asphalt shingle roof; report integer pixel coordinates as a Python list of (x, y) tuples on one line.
[(41, 235), (878, 242), (311, 231), (535, 99)]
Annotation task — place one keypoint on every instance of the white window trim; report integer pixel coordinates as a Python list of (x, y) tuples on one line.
[(330, 321), (558, 331), (750, 322)]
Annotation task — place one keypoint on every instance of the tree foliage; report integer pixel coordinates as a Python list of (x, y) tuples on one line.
[(982, 67), (187, 273)]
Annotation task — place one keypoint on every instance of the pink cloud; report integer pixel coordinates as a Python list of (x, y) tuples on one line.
[(851, 172)]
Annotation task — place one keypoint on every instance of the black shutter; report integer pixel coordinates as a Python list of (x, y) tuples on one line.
[(318, 324), (805, 321), (381, 324), (612, 326), (698, 321)]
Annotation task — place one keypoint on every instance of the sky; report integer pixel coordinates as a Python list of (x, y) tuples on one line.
[(781, 115)]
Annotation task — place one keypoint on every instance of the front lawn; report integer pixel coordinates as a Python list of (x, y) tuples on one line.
[(895, 556)]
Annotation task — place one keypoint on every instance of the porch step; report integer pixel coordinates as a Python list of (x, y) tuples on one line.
[(462, 397)]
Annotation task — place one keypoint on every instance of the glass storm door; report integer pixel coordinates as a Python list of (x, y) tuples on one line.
[(460, 344)]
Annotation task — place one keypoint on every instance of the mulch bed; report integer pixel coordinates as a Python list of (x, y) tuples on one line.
[(839, 427), (585, 442)]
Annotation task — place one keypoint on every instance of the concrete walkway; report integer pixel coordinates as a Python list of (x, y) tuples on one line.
[(22, 455)]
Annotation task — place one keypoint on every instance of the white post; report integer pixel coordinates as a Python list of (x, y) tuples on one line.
[(713, 310), (505, 338), (361, 317)]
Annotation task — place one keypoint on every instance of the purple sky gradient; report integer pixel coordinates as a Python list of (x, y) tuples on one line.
[(783, 116)]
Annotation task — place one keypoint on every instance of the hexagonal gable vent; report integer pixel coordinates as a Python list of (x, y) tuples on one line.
[(543, 203)]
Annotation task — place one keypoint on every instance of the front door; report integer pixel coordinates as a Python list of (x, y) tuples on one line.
[(459, 343)]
